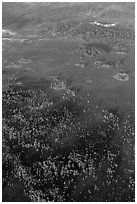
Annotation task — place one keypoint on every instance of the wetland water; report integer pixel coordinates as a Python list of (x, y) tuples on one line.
[(51, 56), (68, 103)]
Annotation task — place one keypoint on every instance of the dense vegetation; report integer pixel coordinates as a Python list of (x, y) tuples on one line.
[(62, 149)]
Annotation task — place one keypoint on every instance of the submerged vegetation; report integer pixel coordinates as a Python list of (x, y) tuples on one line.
[(121, 77)]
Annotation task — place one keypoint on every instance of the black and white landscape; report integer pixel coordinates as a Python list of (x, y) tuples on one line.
[(68, 114)]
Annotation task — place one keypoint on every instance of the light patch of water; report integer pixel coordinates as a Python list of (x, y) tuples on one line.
[(19, 83), (15, 66), (77, 64), (8, 32), (89, 81), (80, 65), (9, 39), (104, 25), (121, 53), (24, 40)]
